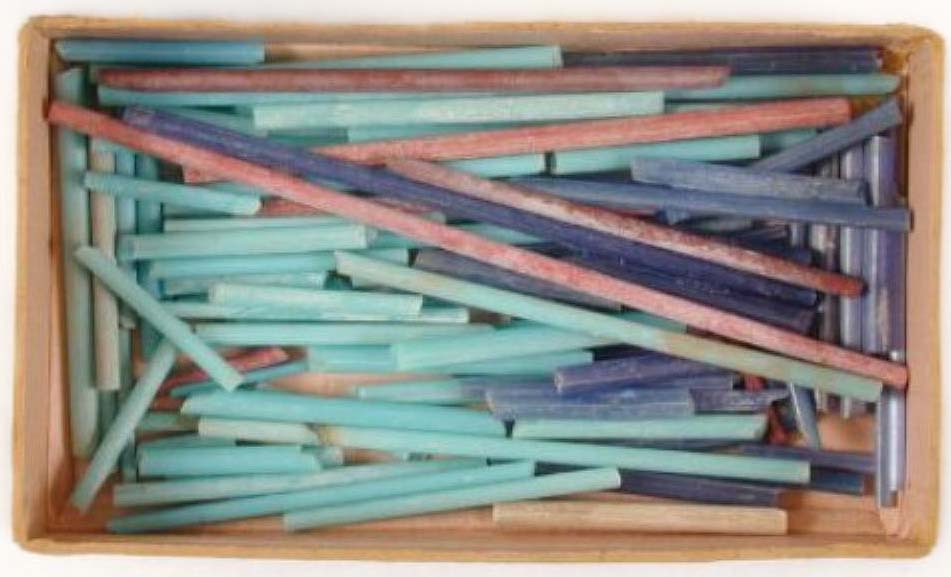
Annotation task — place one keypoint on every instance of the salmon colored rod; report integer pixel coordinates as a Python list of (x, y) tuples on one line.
[(473, 246), (580, 79), (747, 119), (243, 362), (656, 235)]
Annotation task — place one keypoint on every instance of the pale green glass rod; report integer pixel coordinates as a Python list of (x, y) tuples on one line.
[(70, 86), (545, 56), (261, 505), (151, 310), (435, 392), (582, 454), (315, 300), (391, 240), (290, 407), (171, 193), (258, 431), (214, 266), (505, 343), (456, 498), (205, 489), (308, 334), (243, 242), (123, 426), (687, 346), (378, 359), (175, 287), (519, 108), (197, 224), (194, 309), (739, 427)]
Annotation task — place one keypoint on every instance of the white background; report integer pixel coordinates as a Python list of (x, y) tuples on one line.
[(934, 14)]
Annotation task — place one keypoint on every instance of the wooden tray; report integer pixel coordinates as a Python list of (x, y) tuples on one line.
[(821, 526)]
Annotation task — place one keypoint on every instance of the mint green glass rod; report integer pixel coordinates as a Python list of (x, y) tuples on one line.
[(486, 109), (505, 343), (152, 311), (307, 334), (273, 504), (456, 498), (185, 440), (316, 300), (123, 426), (721, 148), (201, 285), (792, 86), (205, 489), (171, 193), (258, 431), (389, 240), (687, 346), (281, 406), (239, 460), (740, 427), (193, 309), (583, 454), (243, 242), (197, 224)]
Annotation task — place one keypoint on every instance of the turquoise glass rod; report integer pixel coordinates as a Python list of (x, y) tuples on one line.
[(213, 266), (479, 110), (241, 242), (152, 311), (582, 454), (505, 343), (240, 460), (792, 86), (723, 148), (481, 58), (242, 508), (289, 407), (205, 489), (171, 193), (316, 300), (739, 427), (308, 334), (76, 232), (457, 498), (686, 346), (109, 96), (178, 52), (123, 426)]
